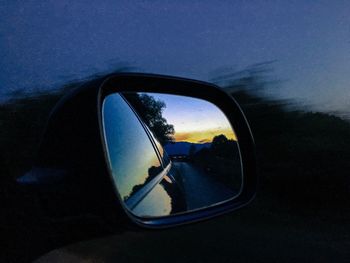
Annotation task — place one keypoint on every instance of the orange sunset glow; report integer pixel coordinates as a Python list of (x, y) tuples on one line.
[(195, 120), (203, 136)]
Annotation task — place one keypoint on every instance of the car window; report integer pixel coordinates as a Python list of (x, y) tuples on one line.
[(132, 158)]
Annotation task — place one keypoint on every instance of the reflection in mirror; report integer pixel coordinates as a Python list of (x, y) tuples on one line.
[(170, 154)]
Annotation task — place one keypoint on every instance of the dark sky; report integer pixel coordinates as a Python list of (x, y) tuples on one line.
[(43, 44)]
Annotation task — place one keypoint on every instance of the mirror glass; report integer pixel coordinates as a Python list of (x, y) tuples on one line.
[(170, 154)]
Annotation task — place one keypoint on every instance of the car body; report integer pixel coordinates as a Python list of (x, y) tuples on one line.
[(163, 183)]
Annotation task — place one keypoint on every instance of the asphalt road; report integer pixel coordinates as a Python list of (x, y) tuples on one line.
[(201, 189)]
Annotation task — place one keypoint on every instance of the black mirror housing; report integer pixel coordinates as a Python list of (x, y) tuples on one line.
[(72, 175)]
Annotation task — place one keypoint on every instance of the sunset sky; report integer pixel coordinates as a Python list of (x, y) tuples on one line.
[(194, 120)]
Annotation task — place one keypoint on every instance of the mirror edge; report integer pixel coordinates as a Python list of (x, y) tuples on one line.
[(131, 82)]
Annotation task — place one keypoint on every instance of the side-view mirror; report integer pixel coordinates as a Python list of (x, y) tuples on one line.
[(155, 151)]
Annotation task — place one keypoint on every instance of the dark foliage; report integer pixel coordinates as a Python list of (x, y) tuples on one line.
[(150, 110), (221, 161), (303, 156), (153, 171)]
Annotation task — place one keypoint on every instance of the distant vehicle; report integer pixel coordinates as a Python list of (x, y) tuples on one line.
[(179, 158)]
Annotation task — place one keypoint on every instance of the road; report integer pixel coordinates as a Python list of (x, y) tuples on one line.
[(201, 189)]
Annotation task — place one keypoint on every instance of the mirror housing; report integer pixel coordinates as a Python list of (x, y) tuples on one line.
[(72, 175)]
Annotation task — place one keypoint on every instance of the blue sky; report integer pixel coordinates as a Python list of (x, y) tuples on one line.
[(194, 120), (47, 43)]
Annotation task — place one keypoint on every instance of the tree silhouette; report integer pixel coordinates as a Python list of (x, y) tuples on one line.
[(219, 141), (150, 110), (221, 161), (221, 146), (192, 150)]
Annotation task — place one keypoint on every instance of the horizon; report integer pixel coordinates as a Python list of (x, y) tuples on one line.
[(195, 120), (202, 141)]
